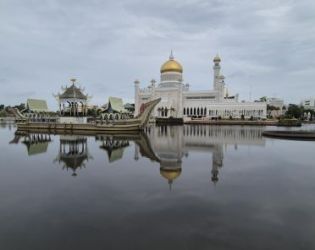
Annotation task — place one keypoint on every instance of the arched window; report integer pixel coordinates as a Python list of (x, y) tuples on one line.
[(194, 111), (205, 111), (184, 111), (198, 111)]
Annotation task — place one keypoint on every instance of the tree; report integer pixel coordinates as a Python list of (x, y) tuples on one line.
[(20, 107), (295, 111), (263, 99), (1, 106), (271, 107)]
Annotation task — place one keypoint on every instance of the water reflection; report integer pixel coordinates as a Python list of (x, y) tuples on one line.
[(35, 143), (73, 152), (167, 145), (172, 143), (113, 146), (7, 124), (263, 198)]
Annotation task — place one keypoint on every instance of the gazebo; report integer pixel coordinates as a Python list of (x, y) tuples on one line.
[(72, 102)]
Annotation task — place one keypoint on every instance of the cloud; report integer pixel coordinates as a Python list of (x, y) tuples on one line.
[(108, 44)]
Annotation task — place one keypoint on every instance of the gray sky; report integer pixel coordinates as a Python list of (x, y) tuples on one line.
[(266, 46)]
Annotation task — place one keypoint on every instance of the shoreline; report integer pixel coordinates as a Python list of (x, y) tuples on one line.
[(232, 122), (291, 135)]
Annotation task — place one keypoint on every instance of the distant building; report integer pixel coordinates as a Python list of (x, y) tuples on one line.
[(178, 101), (308, 103), (276, 102), (275, 106)]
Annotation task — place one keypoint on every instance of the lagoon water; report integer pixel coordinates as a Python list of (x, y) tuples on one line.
[(188, 187)]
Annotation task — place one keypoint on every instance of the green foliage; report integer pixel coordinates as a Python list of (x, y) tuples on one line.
[(2, 106), (289, 122), (3, 113), (271, 108), (20, 107), (294, 111), (263, 99), (92, 112)]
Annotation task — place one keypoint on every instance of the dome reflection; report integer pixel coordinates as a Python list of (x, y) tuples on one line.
[(169, 146)]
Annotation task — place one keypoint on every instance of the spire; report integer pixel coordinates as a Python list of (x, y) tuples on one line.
[(73, 80), (171, 55), (170, 182)]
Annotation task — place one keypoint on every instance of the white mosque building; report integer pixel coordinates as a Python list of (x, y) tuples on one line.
[(178, 101)]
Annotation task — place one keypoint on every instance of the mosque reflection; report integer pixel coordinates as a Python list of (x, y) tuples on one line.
[(167, 145), (172, 143)]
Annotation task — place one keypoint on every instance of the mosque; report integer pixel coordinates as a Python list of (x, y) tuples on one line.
[(178, 101)]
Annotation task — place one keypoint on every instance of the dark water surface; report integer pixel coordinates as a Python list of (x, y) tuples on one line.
[(191, 187)]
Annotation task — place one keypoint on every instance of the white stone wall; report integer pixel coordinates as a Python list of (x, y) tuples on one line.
[(225, 109), (180, 102)]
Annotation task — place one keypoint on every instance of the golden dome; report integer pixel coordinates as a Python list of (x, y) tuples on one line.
[(171, 66), (217, 58), (170, 174)]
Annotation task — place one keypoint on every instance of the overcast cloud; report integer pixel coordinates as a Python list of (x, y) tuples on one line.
[(267, 47)]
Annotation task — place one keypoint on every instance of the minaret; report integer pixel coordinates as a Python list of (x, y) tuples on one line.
[(137, 83), (216, 72)]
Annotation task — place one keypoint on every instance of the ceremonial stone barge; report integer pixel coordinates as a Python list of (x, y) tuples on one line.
[(73, 109)]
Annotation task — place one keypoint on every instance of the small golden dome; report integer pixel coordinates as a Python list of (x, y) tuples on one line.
[(170, 174), (217, 58), (171, 66)]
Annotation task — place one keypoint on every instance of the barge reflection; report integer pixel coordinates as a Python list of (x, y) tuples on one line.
[(167, 145), (73, 153)]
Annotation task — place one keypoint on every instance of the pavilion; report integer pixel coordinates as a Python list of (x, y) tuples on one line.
[(72, 102), (114, 109)]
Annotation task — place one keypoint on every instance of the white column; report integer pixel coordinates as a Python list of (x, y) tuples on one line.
[(137, 83)]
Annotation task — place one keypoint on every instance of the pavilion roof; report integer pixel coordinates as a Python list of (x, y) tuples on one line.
[(116, 104), (74, 161), (37, 105), (73, 92)]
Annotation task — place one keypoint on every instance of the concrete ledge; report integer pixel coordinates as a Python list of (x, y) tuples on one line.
[(233, 122)]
